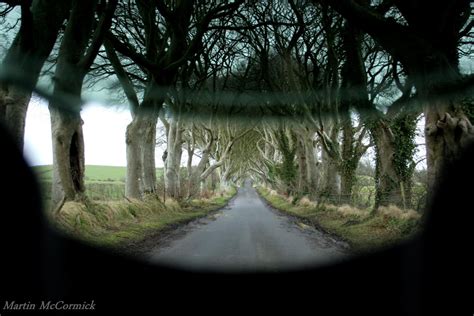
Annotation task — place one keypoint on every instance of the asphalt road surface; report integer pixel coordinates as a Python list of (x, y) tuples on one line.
[(247, 236)]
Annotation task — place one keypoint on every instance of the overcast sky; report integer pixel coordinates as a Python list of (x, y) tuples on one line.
[(104, 135)]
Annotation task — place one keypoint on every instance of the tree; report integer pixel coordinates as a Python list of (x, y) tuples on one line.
[(41, 21), (78, 50), (428, 50), (165, 46)]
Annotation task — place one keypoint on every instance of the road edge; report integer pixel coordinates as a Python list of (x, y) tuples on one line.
[(140, 247), (346, 244)]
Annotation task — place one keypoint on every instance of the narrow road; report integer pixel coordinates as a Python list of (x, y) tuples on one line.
[(247, 236)]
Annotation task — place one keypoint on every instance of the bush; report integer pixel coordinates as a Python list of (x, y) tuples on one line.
[(403, 221), (350, 211), (305, 201), (395, 212)]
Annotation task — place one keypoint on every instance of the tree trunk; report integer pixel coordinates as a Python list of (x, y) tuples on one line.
[(447, 132), (387, 182), (348, 163), (173, 160), (141, 166), (193, 184), (189, 165), (347, 183), (194, 181), (15, 104), (224, 179), (68, 157), (429, 53), (195, 178), (312, 172), (328, 187), (203, 170), (148, 147), (23, 62), (288, 169), (408, 193), (302, 167), (133, 139), (74, 59), (132, 136), (66, 122), (354, 96)]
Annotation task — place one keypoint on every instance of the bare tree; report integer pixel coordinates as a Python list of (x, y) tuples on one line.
[(172, 36), (428, 50), (78, 50)]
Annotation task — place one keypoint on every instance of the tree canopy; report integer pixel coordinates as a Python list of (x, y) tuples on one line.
[(290, 93)]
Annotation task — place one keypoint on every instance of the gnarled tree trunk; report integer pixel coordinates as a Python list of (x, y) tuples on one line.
[(428, 50), (68, 157), (447, 132), (387, 181), (141, 145), (74, 59)]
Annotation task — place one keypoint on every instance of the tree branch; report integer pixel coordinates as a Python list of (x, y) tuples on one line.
[(98, 37), (130, 52), (202, 27), (394, 37), (122, 76)]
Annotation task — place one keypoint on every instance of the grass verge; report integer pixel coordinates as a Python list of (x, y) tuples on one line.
[(117, 223), (361, 229)]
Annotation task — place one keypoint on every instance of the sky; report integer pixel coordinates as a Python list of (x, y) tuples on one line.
[(104, 135)]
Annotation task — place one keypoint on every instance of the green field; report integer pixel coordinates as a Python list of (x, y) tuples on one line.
[(93, 173), (102, 182)]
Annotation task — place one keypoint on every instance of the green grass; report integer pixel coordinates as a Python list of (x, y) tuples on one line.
[(93, 173), (102, 182), (115, 224), (363, 230), (95, 190)]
